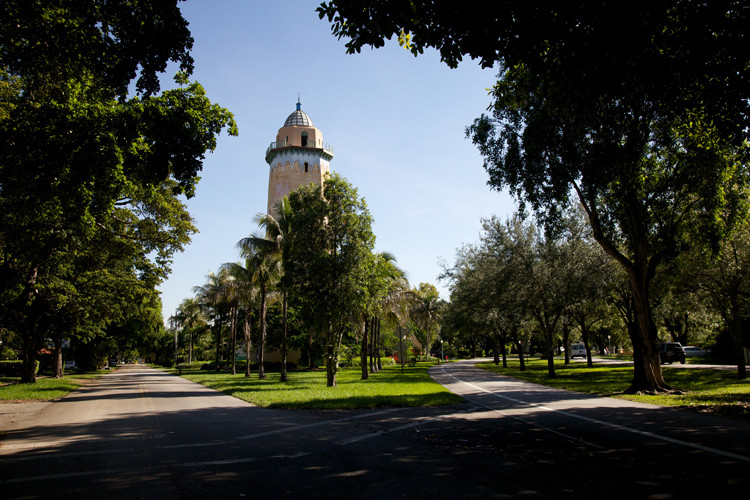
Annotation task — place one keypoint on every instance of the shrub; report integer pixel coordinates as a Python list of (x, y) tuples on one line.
[(7, 354), (14, 368)]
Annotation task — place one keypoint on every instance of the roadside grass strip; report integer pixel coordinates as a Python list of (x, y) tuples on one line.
[(308, 390), (45, 389), (703, 389)]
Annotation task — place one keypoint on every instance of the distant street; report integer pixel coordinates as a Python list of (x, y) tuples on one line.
[(142, 433)]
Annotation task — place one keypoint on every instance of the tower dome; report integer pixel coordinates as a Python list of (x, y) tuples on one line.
[(298, 118), (297, 157)]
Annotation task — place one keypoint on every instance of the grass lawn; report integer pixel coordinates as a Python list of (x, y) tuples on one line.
[(704, 389), (307, 389), (45, 389)]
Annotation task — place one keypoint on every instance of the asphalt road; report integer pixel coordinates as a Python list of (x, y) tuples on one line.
[(142, 433)]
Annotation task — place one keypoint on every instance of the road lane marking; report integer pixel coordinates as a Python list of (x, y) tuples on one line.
[(667, 439)]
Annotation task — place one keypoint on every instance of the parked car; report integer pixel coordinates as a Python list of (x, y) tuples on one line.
[(577, 350), (692, 351), (669, 352)]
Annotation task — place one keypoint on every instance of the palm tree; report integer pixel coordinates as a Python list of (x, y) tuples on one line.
[(266, 269), (276, 244), (190, 317), (428, 310), (212, 297), (246, 291), (395, 307), (385, 276)]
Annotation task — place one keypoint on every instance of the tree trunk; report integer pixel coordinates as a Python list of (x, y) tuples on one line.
[(331, 365), (57, 362), (521, 360), (647, 374), (377, 342), (262, 343), (310, 345), (29, 366), (29, 336), (736, 333), (548, 330), (495, 350), (284, 348), (503, 350), (233, 312), (217, 327), (373, 362), (363, 351), (246, 331), (190, 345), (566, 341)]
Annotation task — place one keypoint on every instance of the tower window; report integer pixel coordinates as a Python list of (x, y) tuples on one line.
[(307, 167), (304, 139)]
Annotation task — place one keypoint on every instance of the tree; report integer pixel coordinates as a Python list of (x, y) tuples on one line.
[(278, 227), (724, 280), (83, 161), (642, 112), (265, 266), (245, 281), (191, 319), (212, 297), (428, 311), (330, 260)]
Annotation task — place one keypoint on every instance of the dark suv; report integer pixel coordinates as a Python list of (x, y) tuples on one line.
[(670, 352)]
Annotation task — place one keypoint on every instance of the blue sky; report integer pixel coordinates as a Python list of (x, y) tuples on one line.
[(395, 122)]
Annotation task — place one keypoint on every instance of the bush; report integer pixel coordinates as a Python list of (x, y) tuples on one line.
[(7, 354), (14, 368)]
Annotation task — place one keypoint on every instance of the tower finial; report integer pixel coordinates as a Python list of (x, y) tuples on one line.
[(299, 104)]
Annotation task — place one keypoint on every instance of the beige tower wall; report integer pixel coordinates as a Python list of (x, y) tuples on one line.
[(288, 173)]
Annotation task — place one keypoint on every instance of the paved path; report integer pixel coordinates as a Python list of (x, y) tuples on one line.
[(142, 433)]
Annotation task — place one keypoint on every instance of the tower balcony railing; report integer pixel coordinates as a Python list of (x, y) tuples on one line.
[(283, 144)]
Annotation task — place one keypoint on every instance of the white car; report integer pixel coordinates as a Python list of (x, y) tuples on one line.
[(577, 350), (694, 352)]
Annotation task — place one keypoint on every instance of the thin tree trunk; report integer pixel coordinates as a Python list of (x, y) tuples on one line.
[(30, 341), (495, 349), (57, 363), (377, 343), (566, 341), (332, 363), (217, 327), (585, 338), (284, 306), (233, 312), (190, 346), (248, 336), (373, 368), (363, 350), (262, 343), (736, 334), (503, 350), (310, 344)]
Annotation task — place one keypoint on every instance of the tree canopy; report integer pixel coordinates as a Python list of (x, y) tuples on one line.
[(90, 176), (638, 109)]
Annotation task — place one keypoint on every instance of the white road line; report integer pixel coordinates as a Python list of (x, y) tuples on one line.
[(607, 424)]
